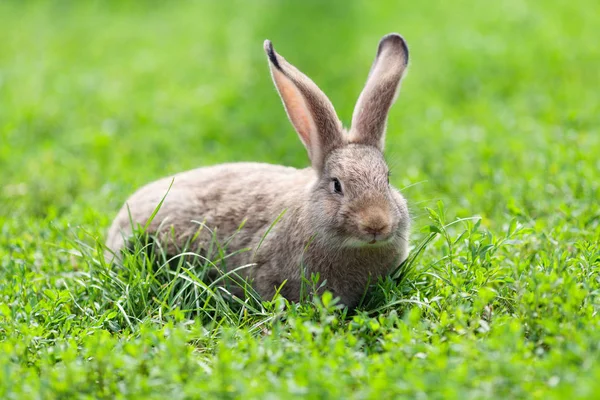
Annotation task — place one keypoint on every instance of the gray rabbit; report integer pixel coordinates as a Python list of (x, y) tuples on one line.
[(342, 218)]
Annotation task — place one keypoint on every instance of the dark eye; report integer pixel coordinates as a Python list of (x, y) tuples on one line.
[(337, 186), (388, 177)]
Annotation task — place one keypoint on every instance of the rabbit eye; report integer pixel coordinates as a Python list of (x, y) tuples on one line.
[(388, 177), (337, 186)]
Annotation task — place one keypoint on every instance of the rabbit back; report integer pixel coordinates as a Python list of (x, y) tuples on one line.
[(199, 201)]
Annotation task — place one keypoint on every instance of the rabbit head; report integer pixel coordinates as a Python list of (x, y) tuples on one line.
[(351, 202)]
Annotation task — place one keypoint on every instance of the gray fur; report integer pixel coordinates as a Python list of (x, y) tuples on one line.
[(349, 239), (370, 114)]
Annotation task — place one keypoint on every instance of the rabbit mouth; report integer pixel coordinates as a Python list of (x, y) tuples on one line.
[(375, 238), (368, 241), (375, 241)]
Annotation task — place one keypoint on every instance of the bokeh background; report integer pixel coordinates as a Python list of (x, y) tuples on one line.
[(498, 118), (97, 98)]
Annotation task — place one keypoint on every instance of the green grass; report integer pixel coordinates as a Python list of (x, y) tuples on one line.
[(496, 127)]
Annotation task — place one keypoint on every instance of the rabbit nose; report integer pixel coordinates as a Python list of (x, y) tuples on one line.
[(375, 223), (376, 229)]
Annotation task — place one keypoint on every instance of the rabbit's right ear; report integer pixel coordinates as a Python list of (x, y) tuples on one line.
[(370, 114), (307, 107)]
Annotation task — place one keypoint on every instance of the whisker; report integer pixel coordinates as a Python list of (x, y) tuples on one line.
[(414, 184)]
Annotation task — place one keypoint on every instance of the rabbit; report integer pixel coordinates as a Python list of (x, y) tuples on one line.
[(339, 218)]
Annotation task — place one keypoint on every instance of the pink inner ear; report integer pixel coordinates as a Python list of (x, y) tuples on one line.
[(297, 110)]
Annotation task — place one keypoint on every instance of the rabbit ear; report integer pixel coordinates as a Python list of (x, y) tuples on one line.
[(307, 107), (370, 114)]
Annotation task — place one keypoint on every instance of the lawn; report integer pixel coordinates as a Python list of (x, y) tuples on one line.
[(494, 141)]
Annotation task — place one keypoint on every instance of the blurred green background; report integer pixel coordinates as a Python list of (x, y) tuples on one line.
[(498, 112), (498, 117)]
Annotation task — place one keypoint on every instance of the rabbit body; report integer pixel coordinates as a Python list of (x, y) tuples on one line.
[(341, 218), (225, 195)]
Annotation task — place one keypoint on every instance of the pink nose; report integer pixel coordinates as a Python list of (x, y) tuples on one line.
[(375, 223), (376, 229)]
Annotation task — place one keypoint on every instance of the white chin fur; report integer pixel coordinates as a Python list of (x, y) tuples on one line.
[(356, 242)]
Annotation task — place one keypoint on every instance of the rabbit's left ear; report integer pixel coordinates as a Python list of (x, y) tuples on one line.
[(309, 110), (370, 114)]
